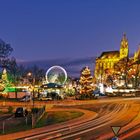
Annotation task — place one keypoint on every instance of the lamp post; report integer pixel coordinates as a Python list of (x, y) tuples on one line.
[(33, 83), (33, 90)]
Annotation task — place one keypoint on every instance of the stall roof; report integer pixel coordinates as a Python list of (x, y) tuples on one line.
[(51, 85)]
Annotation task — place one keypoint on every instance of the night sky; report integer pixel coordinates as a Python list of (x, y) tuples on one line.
[(59, 29)]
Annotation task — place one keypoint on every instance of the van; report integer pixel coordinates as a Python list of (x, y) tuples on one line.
[(21, 112)]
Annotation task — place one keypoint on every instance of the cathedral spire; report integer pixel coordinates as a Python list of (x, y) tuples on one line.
[(124, 36), (124, 50), (137, 54), (124, 39)]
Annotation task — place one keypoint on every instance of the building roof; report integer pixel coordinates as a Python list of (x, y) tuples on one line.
[(51, 85), (109, 54)]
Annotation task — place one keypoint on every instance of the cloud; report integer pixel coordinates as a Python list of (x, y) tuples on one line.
[(72, 66)]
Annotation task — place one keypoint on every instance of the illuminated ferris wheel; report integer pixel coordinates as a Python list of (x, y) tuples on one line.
[(57, 75)]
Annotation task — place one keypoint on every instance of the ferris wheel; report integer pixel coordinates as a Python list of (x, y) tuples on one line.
[(57, 75)]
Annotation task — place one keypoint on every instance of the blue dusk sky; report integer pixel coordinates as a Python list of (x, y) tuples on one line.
[(57, 29)]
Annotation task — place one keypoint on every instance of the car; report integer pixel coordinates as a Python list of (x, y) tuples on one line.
[(45, 98), (110, 94), (21, 112), (25, 98), (98, 93)]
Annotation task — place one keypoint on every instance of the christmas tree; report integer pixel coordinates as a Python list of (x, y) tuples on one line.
[(4, 76), (86, 82), (5, 82)]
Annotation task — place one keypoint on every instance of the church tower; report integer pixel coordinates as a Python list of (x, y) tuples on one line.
[(137, 55), (124, 50)]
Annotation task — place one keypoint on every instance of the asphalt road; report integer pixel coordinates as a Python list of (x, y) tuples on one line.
[(123, 112)]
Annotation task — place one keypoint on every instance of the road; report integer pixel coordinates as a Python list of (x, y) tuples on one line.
[(123, 112)]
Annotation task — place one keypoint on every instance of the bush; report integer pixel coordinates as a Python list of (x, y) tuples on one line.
[(35, 110), (1, 97)]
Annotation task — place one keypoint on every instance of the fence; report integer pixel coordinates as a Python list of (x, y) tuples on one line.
[(37, 115), (9, 124)]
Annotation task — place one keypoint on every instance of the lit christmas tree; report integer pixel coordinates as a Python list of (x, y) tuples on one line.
[(4, 76), (86, 82), (5, 81)]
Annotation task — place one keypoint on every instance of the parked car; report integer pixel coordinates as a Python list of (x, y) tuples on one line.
[(97, 93), (25, 98), (21, 112), (111, 94)]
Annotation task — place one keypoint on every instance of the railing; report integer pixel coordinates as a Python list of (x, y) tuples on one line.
[(37, 115), (10, 124)]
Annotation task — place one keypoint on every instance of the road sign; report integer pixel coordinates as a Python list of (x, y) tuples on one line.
[(116, 129)]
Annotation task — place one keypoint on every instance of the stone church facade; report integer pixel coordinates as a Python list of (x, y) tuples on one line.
[(107, 59)]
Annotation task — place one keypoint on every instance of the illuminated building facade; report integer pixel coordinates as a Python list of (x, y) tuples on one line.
[(105, 62)]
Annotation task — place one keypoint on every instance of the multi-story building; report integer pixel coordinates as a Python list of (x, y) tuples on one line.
[(107, 59)]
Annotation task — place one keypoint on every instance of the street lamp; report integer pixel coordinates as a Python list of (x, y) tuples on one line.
[(29, 74)]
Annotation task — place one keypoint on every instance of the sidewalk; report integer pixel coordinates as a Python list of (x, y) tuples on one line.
[(88, 115)]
